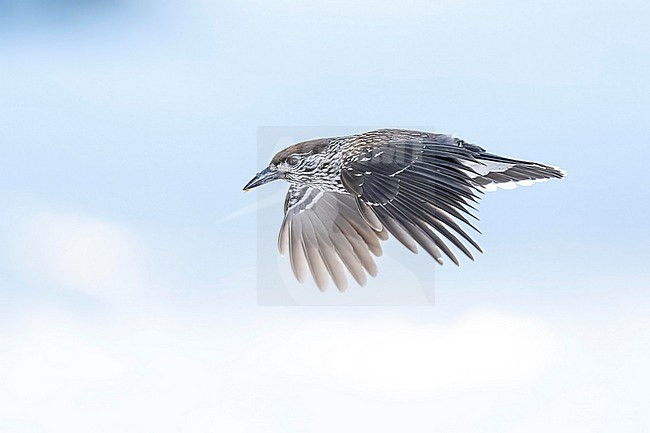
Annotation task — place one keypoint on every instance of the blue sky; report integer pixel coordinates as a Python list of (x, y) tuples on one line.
[(128, 302)]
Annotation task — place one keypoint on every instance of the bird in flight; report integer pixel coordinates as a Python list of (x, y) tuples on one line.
[(346, 194)]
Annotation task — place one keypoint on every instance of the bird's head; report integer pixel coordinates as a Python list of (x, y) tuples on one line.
[(295, 164)]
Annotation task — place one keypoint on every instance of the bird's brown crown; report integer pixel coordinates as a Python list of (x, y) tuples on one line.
[(303, 149)]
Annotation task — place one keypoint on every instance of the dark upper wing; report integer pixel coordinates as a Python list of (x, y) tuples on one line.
[(417, 185), (323, 233)]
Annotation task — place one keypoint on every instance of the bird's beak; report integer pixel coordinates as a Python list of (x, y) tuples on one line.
[(265, 176)]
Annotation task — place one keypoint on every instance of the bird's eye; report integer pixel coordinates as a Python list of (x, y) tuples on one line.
[(293, 160)]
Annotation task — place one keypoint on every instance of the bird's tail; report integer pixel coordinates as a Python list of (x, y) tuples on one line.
[(492, 171)]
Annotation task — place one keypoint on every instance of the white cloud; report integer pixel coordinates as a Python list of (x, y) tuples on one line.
[(48, 357), (482, 350), (175, 376), (576, 411), (207, 420), (80, 253), (267, 370)]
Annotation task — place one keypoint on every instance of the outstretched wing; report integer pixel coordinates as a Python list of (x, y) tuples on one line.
[(420, 185), (417, 185), (324, 233)]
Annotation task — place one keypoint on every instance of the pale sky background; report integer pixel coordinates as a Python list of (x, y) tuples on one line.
[(128, 305)]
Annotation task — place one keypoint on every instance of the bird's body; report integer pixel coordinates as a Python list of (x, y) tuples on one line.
[(347, 193)]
